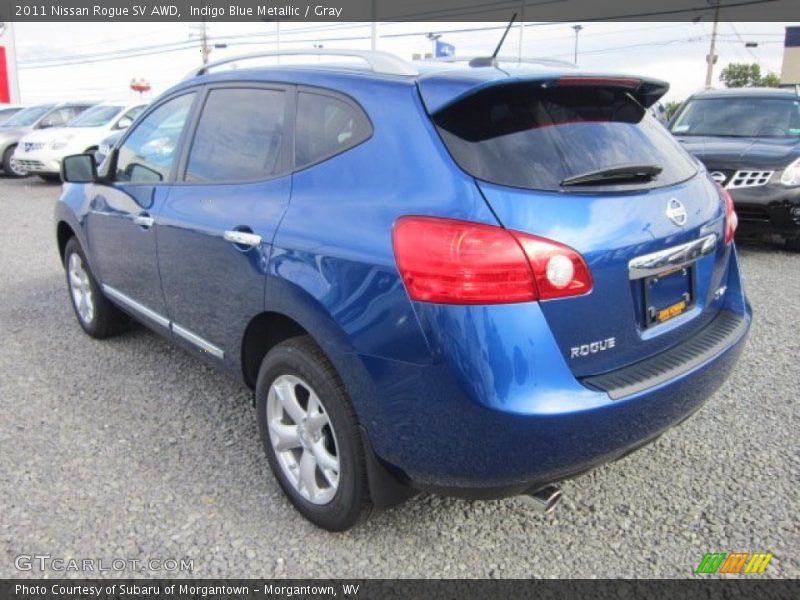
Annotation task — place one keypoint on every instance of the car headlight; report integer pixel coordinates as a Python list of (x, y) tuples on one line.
[(58, 144), (791, 174)]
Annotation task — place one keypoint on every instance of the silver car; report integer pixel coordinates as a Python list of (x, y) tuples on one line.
[(40, 116)]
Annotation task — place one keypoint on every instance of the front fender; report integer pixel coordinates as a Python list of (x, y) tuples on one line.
[(69, 209)]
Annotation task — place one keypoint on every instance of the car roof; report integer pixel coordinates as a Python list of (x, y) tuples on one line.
[(440, 81), (748, 92), (299, 73)]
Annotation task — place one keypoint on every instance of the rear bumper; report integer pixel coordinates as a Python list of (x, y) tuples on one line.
[(463, 428)]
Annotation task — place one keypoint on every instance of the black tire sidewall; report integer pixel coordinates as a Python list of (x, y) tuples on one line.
[(73, 247), (107, 319), (347, 506)]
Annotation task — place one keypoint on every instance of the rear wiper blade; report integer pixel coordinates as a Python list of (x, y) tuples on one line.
[(614, 175)]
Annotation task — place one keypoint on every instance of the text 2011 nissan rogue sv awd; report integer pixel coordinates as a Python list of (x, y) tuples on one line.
[(463, 279)]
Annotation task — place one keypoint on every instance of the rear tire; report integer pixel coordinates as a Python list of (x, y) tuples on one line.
[(8, 166), (49, 177), (311, 436), (96, 315)]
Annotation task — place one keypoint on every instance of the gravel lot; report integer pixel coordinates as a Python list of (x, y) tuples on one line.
[(130, 448)]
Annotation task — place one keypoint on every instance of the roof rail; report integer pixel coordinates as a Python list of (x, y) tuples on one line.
[(485, 61), (379, 62)]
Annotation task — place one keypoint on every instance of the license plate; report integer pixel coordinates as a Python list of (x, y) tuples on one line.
[(668, 294)]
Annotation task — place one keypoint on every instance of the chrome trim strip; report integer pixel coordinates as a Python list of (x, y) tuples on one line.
[(198, 341), (134, 305), (670, 258)]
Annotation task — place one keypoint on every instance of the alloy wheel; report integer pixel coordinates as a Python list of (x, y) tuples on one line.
[(303, 439), (81, 288)]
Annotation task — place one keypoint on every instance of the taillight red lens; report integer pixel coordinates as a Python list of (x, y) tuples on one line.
[(460, 262), (731, 219), (558, 269)]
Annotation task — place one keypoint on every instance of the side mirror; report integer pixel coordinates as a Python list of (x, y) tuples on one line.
[(79, 168), (124, 123)]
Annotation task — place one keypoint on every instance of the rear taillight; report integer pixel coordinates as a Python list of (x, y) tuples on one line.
[(731, 219), (460, 262)]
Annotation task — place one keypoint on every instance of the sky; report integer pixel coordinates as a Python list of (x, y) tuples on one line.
[(77, 61)]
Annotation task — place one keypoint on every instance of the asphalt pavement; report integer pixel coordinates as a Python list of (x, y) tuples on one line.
[(131, 449)]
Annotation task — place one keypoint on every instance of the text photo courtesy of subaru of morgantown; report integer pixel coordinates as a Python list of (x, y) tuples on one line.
[(330, 297)]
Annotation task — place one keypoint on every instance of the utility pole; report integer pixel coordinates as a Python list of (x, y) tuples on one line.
[(277, 37), (205, 50), (433, 37), (374, 26), (521, 28), (712, 58), (577, 29)]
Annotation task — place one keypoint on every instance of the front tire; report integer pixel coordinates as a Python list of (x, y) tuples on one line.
[(311, 436), (9, 166), (96, 315)]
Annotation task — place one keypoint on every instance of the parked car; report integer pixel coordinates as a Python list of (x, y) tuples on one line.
[(105, 146), (7, 111), (42, 116), (749, 140), (40, 152), (659, 112), (465, 280)]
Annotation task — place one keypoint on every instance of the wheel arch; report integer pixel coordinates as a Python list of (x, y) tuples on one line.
[(264, 332), (63, 234)]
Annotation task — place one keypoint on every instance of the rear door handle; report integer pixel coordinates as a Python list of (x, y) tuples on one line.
[(242, 238), (144, 220)]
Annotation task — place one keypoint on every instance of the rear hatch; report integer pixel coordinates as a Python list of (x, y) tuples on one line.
[(579, 161)]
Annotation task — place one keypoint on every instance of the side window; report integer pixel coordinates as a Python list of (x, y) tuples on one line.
[(149, 151), (134, 112), (239, 136), (326, 126), (62, 116)]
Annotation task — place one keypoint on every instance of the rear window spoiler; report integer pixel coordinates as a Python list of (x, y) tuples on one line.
[(444, 89)]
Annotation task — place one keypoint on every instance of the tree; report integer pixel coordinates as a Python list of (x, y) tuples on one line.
[(670, 108), (744, 75), (770, 80)]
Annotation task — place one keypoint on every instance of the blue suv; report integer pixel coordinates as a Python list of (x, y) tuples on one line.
[(457, 278)]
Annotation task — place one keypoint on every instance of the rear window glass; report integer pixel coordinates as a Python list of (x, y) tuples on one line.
[(529, 136)]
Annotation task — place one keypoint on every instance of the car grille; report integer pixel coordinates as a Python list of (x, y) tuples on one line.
[(29, 146), (751, 213), (29, 165), (747, 179)]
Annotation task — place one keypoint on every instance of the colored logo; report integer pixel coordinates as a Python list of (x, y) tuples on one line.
[(734, 562)]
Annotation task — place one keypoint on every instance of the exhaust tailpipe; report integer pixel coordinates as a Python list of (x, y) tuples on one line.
[(544, 499)]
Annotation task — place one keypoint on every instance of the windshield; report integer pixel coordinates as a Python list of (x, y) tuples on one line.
[(5, 113), (528, 136), (95, 116), (27, 117), (740, 117)]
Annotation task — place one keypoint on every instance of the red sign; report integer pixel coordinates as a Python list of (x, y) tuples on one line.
[(5, 90)]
